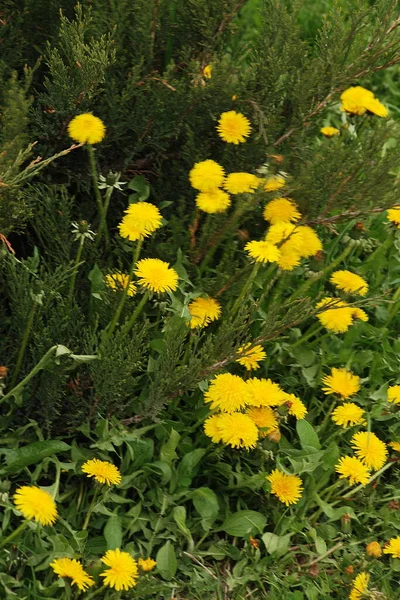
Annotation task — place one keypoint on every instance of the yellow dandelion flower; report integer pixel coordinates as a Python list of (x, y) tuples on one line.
[(86, 128), (349, 282), (273, 183), (67, 567), (395, 446), (282, 232), (213, 201), (296, 408), (263, 251), (241, 183), (393, 547), (122, 573), (348, 414), (370, 449), (212, 428), (308, 241), (147, 564), (238, 430), (393, 394), (207, 71), (393, 215), (156, 275), (206, 176), (353, 469), (119, 281), (228, 393), (289, 258), (341, 382), (355, 99), (250, 357), (360, 586), (329, 131), (36, 504), (233, 127), (338, 317), (102, 471), (141, 220), (203, 311), (265, 419), (281, 210), (287, 488), (264, 392), (376, 107), (359, 313), (374, 549)]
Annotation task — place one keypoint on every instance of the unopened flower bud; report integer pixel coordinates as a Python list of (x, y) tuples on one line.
[(274, 436), (3, 372)]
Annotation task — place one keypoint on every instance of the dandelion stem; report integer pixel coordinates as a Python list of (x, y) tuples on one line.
[(395, 306), (105, 211), (91, 507), (313, 330), (136, 313), (99, 200), (75, 270), (24, 344), (96, 593), (245, 289), (14, 391), (14, 534)]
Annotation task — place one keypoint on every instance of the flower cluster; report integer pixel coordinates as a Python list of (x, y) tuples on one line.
[(337, 315), (357, 101)]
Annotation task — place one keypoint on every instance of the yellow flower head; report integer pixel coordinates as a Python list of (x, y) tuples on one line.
[(355, 100), (298, 240), (265, 419), (349, 282), (374, 549), (282, 232), (147, 564), (250, 357), (393, 215), (395, 446), (376, 107), (102, 471), (228, 393), (241, 183), (348, 414), (287, 488), (156, 275), (86, 128), (122, 573), (203, 311), (207, 71), (36, 504), (329, 131), (233, 127), (213, 201), (141, 220), (295, 406), (263, 251), (393, 394), (370, 449), (393, 547), (353, 469), (206, 176), (338, 317), (359, 313), (212, 428), (341, 382), (289, 257), (273, 183), (309, 242), (238, 430), (281, 210), (67, 567), (360, 586), (119, 281), (264, 392)]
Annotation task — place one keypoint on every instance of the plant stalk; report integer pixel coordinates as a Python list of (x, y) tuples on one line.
[(14, 534), (245, 289), (75, 271), (136, 313), (24, 344), (99, 200)]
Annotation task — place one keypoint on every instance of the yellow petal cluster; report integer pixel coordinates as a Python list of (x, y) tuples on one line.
[(360, 586), (228, 393), (393, 547), (294, 243), (156, 275), (370, 449), (348, 414), (393, 215), (206, 176), (374, 549), (102, 471), (273, 183), (36, 504), (147, 564), (265, 419), (281, 210), (86, 128), (393, 394), (213, 201), (251, 356), (238, 430), (73, 569), (203, 311), (241, 183), (141, 219), (351, 468), (122, 573), (338, 316), (329, 131), (233, 127), (349, 282), (119, 282), (264, 392), (263, 251), (341, 382), (357, 100), (295, 406), (287, 488)]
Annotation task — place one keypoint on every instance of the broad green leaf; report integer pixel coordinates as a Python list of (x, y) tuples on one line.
[(326, 508), (276, 544), (187, 468), (167, 452), (141, 187), (244, 522), (206, 503), (20, 458), (142, 451), (307, 435), (179, 514), (166, 561), (113, 533)]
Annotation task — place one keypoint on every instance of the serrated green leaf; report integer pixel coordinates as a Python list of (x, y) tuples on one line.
[(20, 458)]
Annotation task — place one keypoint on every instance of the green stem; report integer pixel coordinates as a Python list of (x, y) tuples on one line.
[(313, 330), (99, 200), (245, 289), (327, 415), (395, 306), (24, 344), (96, 593), (91, 507), (136, 313), (14, 391), (157, 526), (14, 534), (75, 271), (105, 211)]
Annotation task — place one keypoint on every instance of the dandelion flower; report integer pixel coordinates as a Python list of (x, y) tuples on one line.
[(147, 564), (281, 210), (68, 567), (86, 128), (295, 406), (250, 357), (102, 471), (233, 127), (376, 107), (207, 71), (238, 430), (360, 586), (329, 131), (348, 414), (393, 215), (265, 419), (241, 183), (393, 394), (353, 469), (393, 547), (212, 428), (308, 241), (213, 201), (119, 281), (395, 446), (206, 176), (287, 488), (370, 449), (341, 382), (338, 317), (280, 232), (141, 220), (228, 393), (349, 282), (355, 99), (203, 311), (374, 549), (289, 258), (359, 313), (273, 183), (263, 251), (264, 392), (156, 275), (123, 571), (36, 504)]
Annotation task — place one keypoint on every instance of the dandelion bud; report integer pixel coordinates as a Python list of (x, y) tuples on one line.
[(349, 570), (373, 549), (274, 436), (346, 523), (3, 372)]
